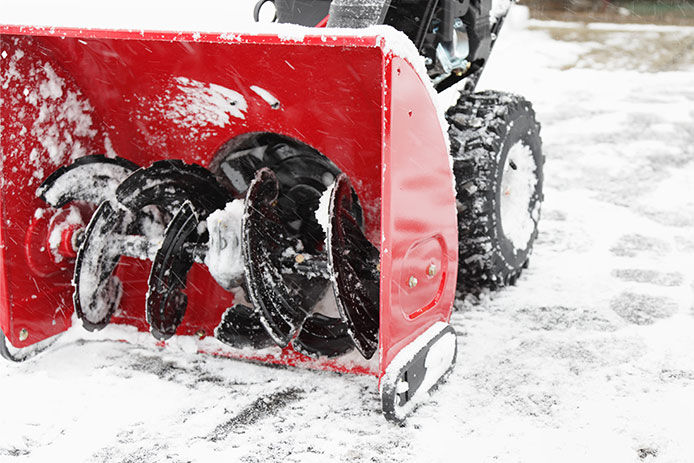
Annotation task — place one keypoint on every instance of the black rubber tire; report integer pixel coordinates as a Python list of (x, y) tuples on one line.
[(483, 127)]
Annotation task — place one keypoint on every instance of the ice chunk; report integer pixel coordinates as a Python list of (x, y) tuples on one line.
[(267, 96), (323, 211)]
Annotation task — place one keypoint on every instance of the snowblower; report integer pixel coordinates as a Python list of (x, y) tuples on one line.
[(287, 195)]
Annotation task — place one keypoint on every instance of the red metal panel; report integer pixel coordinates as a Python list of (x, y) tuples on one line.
[(419, 227), (37, 133), (5, 325), (330, 98)]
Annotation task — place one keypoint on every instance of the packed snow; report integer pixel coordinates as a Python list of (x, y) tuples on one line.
[(200, 104), (73, 218), (224, 258), (92, 182), (499, 9), (323, 211), (267, 96), (518, 184), (63, 125), (589, 358)]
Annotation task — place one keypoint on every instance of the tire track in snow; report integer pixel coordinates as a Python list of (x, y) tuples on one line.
[(260, 408)]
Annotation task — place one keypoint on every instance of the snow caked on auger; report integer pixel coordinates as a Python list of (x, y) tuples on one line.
[(283, 196)]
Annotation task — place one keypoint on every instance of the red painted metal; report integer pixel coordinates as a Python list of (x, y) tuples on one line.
[(66, 248), (418, 215), (348, 97), (323, 22)]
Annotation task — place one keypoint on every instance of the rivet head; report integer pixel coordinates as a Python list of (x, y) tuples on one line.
[(432, 270), (412, 282), (23, 334), (201, 334)]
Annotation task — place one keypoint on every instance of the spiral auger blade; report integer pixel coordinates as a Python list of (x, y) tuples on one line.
[(277, 301), (190, 193), (353, 263), (181, 195), (168, 184), (277, 293), (97, 291), (288, 263), (93, 179), (241, 328), (302, 179), (322, 335), (166, 302)]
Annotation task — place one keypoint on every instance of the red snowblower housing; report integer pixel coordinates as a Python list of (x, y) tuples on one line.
[(284, 199)]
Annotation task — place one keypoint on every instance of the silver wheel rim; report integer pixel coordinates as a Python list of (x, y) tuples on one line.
[(518, 185)]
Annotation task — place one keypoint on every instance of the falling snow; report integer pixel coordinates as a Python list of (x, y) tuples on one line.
[(589, 358)]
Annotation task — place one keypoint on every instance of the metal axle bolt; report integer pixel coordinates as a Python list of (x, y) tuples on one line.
[(23, 334), (412, 282)]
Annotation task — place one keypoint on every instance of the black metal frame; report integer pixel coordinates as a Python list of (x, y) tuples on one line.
[(432, 25)]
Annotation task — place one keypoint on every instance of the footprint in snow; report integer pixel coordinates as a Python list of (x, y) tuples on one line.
[(649, 276), (642, 309), (677, 375), (635, 244), (562, 318), (554, 215), (647, 453)]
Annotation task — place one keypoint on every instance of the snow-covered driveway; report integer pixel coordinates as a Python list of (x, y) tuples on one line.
[(590, 358)]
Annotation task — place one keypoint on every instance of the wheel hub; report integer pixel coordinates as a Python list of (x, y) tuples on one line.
[(518, 184)]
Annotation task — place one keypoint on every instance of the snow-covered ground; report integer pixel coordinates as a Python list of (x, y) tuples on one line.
[(590, 358)]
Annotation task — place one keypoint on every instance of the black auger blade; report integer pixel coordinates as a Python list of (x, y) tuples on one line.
[(168, 184), (97, 291), (321, 335), (241, 328), (277, 299), (189, 193), (353, 263), (93, 179), (166, 303)]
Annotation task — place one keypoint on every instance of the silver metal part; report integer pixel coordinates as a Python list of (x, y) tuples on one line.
[(452, 57), (432, 270)]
